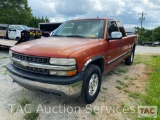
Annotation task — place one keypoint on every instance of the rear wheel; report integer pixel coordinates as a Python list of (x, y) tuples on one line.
[(130, 58), (18, 38), (36, 37), (91, 84)]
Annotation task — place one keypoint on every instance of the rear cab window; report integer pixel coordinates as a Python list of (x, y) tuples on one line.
[(121, 28)]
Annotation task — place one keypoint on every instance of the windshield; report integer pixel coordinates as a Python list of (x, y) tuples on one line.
[(82, 28), (21, 27)]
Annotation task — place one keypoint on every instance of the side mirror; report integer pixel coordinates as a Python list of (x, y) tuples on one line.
[(115, 35)]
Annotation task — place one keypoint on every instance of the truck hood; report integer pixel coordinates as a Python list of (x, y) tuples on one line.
[(58, 47)]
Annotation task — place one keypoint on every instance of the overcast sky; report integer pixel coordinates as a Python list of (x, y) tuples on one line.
[(125, 10)]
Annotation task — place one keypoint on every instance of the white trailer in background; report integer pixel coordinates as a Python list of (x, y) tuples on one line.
[(4, 31)]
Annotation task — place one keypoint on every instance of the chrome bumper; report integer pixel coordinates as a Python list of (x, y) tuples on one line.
[(72, 90)]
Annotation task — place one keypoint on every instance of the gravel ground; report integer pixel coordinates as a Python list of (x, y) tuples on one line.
[(110, 96)]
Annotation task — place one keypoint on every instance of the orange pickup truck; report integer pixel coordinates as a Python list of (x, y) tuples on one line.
[(72, 61)]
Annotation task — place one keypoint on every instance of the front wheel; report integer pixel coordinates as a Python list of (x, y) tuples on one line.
[(91, 84), (130, 58)]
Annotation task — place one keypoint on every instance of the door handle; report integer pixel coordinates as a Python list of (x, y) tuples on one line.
[(120, 44)]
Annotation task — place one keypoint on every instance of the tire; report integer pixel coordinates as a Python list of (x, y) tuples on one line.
[(36, 37), (130, 58), (92, 77), (18, 38)]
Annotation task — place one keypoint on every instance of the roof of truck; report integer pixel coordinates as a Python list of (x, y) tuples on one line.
[(93, 19)]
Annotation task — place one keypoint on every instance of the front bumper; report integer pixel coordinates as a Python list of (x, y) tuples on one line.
[(61, 86)]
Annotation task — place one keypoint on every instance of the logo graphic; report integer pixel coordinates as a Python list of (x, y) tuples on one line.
[(147, 111), (24, 63)]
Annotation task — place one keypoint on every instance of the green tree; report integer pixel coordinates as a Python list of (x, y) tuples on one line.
[(47, 19), (15, 12), (149, 35), (156, 34), (34, 21)]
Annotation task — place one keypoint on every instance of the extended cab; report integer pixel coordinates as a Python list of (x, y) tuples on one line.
[(72, 61)]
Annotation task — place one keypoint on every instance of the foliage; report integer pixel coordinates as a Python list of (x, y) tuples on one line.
[(15, 11), (149, 35), (152, 95), (31, 116), (18, 12), (35, 20)]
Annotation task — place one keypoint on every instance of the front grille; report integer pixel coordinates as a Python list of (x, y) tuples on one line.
[(31, 69), (34, 59)]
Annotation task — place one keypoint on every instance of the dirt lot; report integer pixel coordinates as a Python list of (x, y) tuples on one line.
[(119, 87)]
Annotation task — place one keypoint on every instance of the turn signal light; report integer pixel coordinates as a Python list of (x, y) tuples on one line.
[(71, 73)]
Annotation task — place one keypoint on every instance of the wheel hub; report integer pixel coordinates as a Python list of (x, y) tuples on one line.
[(93, 84)]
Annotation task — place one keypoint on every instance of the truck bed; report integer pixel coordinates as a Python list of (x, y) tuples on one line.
[(7, 43)]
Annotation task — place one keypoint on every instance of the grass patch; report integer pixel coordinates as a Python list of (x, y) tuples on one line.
[(118, 71), (94, 112), (152, 97), (134, 95), (104, 88), (125, 70), (126, 91), (122, 83), (111, 72), (24, 101), (126, 78), (119, 88), (133, 78), (31, 116), (3, 58), (5, 72), (4, 66)]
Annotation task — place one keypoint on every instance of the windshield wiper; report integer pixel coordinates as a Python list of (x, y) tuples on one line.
[(76, 36)]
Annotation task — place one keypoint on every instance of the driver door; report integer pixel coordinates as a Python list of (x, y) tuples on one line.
[(114, 47), (12, 32)]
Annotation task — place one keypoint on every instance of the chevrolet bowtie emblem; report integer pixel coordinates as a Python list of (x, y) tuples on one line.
[(24, 63)]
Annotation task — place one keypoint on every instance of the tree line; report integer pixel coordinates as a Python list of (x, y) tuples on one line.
[(146, 35), (18, 12)]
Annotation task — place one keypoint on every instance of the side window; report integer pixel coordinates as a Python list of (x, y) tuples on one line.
[(112, 26), (12, 28), (121, 28)]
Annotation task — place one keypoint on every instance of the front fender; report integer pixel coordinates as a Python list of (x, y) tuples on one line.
[(91, 60), (87, 55)]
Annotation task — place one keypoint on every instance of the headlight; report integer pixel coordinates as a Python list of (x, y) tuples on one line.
[(62, 61), (10, 53)]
